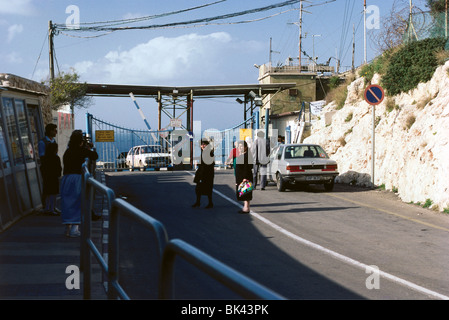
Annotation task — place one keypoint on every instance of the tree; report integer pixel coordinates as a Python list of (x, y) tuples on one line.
[(436, 6), (65, 89)]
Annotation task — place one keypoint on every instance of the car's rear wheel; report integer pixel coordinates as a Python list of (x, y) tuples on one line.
[(280, 182)]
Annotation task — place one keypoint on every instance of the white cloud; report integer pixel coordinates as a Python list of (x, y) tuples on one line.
[(161, 60), (14, 30), (17, 7)]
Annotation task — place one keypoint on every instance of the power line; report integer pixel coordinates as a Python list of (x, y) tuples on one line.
[(40, 53), (188, 26), (173, 24), (134, 20)]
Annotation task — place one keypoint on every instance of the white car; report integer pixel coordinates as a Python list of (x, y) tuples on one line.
[(148, 156), (295, 164)]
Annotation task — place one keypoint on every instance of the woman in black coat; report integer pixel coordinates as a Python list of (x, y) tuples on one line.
[(244, 172), (51, 172), (204, 175)]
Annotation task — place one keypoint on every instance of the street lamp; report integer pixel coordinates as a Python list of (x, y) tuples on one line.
[(256, 98), (313, 49)]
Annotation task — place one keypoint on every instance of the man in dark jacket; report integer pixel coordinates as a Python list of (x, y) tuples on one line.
[(261, 151), (204, 175), (50, 134)]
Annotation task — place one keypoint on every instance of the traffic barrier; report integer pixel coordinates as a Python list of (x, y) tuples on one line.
[(167, 250)]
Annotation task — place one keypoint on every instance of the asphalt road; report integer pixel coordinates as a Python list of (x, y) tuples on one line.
[(352, 243)]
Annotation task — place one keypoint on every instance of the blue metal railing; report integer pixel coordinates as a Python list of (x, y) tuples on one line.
[(229, 277), (112, 154), (168, 250)]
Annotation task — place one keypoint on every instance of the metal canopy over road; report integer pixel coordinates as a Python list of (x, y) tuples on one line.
[(171, 99), (196, 91)]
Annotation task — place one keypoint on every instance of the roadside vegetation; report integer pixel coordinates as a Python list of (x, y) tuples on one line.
[(405, 62), (401, 68), (64, 90)]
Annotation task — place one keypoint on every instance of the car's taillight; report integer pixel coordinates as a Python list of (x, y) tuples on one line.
[(332, 167), (295, 169)]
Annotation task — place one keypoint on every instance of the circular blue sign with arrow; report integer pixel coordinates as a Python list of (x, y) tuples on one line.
[(374, 94)]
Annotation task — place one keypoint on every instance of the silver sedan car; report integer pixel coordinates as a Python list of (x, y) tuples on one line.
[(296, 164)]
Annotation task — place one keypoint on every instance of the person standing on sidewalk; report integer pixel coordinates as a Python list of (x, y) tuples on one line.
[(78, 150), (50, 133), (51, 172), (261, 151)]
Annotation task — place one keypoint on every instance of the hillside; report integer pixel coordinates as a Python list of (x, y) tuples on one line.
[(411, 140)]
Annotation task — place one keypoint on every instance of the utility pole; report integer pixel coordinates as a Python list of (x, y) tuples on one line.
[(51, 50), (411, 27), (353, 48), (314, 59), (300, 34), (364, 32)]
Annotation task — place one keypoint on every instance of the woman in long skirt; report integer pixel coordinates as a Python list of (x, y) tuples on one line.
[(244, 172), (78, 150)]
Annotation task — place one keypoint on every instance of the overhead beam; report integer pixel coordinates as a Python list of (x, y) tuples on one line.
[(198, 91)]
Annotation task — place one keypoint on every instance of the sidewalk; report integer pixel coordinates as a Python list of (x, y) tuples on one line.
[(34, 255)]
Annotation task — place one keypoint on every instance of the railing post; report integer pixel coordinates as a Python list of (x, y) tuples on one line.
[(113, 254), (85, 260), (166, 275)]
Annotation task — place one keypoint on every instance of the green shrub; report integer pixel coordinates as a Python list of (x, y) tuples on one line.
[(334, 82), (391, 105), (349, 117), (379, 65), (367, 72), (410, 121), (412, 64), (428, 203)]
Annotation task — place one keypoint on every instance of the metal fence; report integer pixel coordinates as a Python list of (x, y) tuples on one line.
[(114, 143), (422, 25), (168, 250)]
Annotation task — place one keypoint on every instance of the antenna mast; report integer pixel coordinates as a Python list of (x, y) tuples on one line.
[(300, 33), (364, 36), (271, 50)]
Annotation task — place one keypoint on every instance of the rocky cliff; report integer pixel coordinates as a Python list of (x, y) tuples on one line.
[(411, 140)]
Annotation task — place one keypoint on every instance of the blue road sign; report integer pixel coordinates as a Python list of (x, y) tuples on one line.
[(374, 94)]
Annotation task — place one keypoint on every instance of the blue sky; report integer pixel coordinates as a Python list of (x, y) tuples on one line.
[(214, 54)]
